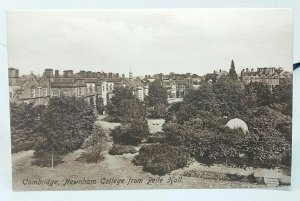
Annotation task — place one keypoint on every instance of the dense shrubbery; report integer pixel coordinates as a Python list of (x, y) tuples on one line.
[(161, 159), (199, 122), (24, 119), (157, 111), (122, 149), (219, 144), (158, 137), (131, 133)]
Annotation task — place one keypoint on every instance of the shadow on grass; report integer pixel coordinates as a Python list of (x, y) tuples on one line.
[(86, 157), (46, 162)]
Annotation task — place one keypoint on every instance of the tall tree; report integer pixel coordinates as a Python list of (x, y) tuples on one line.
[(94, 145), (124, 106), (229, 95), (232, 73), (24, 119), (157, 94), (63, 127)]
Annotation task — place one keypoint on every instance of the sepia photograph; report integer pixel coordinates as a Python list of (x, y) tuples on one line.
[(150, 98)]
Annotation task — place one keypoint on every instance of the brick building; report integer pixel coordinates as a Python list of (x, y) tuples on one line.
[(268, 75)]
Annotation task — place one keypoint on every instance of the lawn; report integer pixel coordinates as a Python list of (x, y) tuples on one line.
[(113, 169)]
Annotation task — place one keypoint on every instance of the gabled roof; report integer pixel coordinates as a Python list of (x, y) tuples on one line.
[(133, 82)]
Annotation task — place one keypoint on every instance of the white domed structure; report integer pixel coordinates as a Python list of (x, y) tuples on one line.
[(237, 123)]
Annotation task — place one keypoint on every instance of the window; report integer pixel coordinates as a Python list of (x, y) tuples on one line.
[(80, 91), (55, 92), (45, 91), (32, 92), (10, 94)]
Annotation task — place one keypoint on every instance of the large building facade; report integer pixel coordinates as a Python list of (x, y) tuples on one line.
[(89, 85), (269, 75)]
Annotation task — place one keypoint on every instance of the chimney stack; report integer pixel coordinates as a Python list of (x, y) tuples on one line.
[(13, 72), (56, 73), (48, 72), (68, 73)]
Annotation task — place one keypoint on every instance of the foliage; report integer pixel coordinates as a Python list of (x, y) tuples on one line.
[(256, 94), (100, 106), (157, 111), (86, 157), (122, 149), (124, 106), (282, 95), (129, 110), (158, 137), (63, 126), (161, 159), (24, 119), (157, 94), (198, 123), (94, 145), (214, 143), (203, 99), (229, 95), (232, 73), (131, 133)]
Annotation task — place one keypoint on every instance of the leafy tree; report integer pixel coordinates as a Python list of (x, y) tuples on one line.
[(283, 95), (259, 92), (94, 145), (131, 133), (100, 105), (24, 118), (249, 99), (157, 111), (229, 95), (204, 99), (131, 109), (124, 106), (157, 94), (63, 127)]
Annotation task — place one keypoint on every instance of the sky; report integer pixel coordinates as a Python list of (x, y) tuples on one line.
[(149, 41)]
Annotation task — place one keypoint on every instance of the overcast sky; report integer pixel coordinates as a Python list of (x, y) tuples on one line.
[(150, 41)]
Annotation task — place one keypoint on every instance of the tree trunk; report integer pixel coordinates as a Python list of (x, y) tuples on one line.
[(52, 157)]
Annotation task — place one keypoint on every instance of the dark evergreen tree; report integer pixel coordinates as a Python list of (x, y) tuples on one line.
[(232, 73)]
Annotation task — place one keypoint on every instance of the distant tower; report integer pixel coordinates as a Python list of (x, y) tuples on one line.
[(232, 72), (130, 73)]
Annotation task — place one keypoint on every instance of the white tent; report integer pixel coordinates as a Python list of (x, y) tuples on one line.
[(237, 123)]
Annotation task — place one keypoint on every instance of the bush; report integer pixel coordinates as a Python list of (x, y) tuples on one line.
[(157, 111), (88, 157), (45, 159), (161, 159), (122, 149), (158, 137), (131, 133)]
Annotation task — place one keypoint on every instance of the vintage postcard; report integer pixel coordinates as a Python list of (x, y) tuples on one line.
[(150, 98)]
